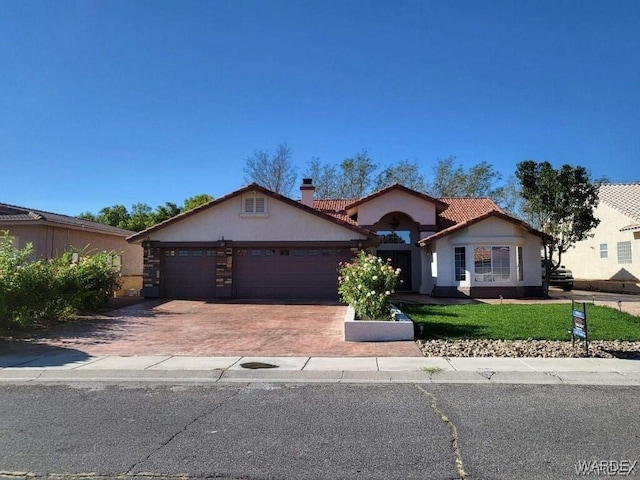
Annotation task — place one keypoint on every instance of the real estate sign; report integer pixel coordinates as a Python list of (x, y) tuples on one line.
[(579, 327)]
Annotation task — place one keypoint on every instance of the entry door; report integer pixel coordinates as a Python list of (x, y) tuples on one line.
[(400, 259)]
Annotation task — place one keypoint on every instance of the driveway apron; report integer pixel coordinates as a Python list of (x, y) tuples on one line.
[(201, 328)]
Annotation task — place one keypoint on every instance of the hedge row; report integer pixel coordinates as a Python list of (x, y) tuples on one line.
[(34, 292)]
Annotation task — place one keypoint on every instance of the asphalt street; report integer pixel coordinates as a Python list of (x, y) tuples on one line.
[(316, 431)]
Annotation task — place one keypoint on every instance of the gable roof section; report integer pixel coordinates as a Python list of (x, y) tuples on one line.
[(397, 186), (12, 215), (251, 188), (456, 209), (623, 197), (471, 221)]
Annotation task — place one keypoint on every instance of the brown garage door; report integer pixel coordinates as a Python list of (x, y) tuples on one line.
[(288, 272), (189, 273)]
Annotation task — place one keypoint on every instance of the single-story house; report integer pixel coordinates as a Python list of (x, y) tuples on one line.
[(254, 243), (613, 252), (53, 234)]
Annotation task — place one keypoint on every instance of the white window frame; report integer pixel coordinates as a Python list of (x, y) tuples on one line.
[(254, 206), (519, 263), (604, 250), (624, 252), (489, 277), (460, 271)]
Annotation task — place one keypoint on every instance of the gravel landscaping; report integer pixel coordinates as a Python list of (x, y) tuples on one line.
[(528, 348)]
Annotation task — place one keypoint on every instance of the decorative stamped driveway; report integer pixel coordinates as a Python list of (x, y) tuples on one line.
[(190, 327)]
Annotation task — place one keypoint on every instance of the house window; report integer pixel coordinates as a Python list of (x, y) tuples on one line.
[(624, 252), (269, 252), (603, 251), (256, 253), (520, 265), (396, 236), (284, 252), (460, 263), (196, 253), (183, 253), (170, 253), (254, 206), (491, 264), (116, 262)]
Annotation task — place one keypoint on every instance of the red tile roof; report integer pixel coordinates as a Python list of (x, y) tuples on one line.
[(457, 209), (463, 209), (332, 205)]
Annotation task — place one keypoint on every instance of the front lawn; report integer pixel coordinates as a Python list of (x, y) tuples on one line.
[(519, 322)]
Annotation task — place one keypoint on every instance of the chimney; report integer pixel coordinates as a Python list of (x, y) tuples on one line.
[(307, 190)]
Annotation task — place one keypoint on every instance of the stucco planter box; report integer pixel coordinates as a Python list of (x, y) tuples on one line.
[(377, 330)]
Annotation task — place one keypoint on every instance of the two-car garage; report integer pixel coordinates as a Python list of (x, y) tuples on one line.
[(250, 244), (257, 272)]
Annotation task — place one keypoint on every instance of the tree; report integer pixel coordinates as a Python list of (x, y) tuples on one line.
[(559, 203), (510, 199), (88, 216), (116, 216), (355, 176), (141, 217), (451, 180), (325, 178), (195, 201), (405, 173), (275, 172), (351, 179), (166, 211)]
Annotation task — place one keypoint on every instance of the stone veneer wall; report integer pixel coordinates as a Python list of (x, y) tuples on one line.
[(151, 271)]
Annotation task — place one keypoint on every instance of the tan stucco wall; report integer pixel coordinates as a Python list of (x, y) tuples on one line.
[(584, 258), (419, 210), (50, 241), (283, 222)]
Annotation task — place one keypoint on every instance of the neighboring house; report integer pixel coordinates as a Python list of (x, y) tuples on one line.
[(254, 243), (52, 234), (613, 252)]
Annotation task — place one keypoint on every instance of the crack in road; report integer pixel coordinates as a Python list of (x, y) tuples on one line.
[(97, 476), (209, 411), (462, 474)]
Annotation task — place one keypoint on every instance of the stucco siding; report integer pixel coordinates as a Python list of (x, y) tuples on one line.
[(282, 222), (419, 210), (50, 241), (492, 232), (585, 260)]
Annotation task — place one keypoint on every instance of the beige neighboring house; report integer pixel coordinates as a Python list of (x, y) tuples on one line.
[(254, 243), (613, 253), (52, 234)]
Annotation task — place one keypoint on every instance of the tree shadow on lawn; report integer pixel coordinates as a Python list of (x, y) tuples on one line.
[(441, 330)]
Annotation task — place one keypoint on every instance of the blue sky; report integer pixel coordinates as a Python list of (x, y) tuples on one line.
[(117, 102)]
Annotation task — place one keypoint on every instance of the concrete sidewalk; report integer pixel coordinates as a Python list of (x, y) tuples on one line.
[(168, 369)]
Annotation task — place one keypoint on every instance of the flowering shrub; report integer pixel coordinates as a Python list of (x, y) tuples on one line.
[(366, 284)]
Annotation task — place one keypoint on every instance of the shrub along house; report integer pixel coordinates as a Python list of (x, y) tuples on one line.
[(52, 234), (254, 243)]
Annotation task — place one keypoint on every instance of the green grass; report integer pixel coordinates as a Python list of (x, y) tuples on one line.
[(519, 322)]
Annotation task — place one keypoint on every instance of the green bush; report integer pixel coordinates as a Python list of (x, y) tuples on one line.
[(38, 291), (367, 284)]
